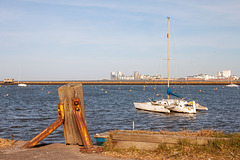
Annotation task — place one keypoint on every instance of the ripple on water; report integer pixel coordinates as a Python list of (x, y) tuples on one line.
[(28, 111)]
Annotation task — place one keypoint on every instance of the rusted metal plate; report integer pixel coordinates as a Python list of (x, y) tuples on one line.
[(82, 128), (48, 130)]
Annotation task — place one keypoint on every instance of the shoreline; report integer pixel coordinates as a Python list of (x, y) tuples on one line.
[(217, 145), (126, 82)]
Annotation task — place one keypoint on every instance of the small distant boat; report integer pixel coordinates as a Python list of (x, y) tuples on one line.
[(19, 83), (101, 137), (232, 85), (22, 85)]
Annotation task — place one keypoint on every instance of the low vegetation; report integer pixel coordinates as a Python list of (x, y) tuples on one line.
[(5, 143), (215, 149)]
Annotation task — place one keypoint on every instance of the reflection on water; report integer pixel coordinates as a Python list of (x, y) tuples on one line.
[(26, 111)]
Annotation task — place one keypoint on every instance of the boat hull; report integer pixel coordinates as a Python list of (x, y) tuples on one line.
[(232, 85), (101, 137), (22, 85), (183, 109), (200, 107), (147, 106)]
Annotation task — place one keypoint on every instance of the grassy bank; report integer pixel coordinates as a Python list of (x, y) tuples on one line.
[(214, 149)]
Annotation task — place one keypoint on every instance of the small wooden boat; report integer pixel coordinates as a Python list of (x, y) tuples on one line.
[(101, 137)]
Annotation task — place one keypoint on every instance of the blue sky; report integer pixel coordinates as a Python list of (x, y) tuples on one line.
[(88, 39)]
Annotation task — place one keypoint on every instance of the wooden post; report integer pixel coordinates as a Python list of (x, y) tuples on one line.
[(66, 94)]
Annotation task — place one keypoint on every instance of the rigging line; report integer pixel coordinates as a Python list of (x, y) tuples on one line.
[(174, 68), (173, 53), (154, 93), (179, 70)]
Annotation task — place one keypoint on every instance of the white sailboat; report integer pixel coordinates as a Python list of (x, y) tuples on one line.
[(232, 85), (19, 83), (168, 105), (22, 85)]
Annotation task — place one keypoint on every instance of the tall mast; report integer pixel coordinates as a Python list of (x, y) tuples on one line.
[(168, 59)]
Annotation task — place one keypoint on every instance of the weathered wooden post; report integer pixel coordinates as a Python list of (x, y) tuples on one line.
[(71, 114), (67, 94)]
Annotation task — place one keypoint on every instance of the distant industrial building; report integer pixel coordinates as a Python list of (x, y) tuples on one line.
[(135, 76), (113, 76), (8, 80), (120, 76), (224, 75)]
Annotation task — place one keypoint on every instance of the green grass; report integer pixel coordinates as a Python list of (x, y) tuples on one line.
[(214, 149)]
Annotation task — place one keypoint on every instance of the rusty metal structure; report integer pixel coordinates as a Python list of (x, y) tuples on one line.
[(82, 128)]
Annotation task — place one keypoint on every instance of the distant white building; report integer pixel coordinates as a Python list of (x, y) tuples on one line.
[(227, 73), (219, 74), (113, 76), (119, 75), (157, 76), (125, 77), (8, 80), (137, 76), (209, 77)]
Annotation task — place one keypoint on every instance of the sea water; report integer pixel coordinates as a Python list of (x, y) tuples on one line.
[(26, 111)]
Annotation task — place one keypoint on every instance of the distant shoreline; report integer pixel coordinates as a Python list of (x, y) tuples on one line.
[(126, 82)]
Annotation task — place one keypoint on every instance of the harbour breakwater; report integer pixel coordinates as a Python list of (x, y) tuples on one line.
[(109, 82)]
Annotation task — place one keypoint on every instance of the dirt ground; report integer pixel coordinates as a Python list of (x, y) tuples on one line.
[(10, 150)]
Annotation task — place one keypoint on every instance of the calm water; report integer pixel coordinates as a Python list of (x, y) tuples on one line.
[(27, 111)]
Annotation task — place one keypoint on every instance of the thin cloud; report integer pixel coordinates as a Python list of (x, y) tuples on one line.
[(129, 35)]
